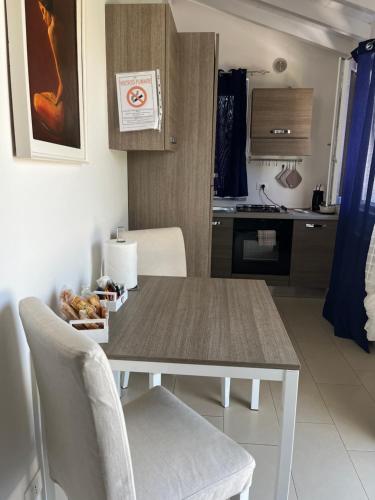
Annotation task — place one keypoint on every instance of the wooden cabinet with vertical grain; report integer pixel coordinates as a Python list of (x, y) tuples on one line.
[(312, 252), (222, 244), (281, 121), (143, 37), (175, 189)]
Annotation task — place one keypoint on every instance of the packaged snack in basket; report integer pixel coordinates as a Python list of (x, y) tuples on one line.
[(75, 307)]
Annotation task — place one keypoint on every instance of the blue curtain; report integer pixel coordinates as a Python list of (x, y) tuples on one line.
[(230, 156), (344, 303)]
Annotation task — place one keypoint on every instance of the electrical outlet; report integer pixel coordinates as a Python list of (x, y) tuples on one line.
[(34, 491), (259, 186)]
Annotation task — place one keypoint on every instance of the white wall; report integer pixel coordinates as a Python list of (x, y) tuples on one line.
[(53, 219), (247, 45)]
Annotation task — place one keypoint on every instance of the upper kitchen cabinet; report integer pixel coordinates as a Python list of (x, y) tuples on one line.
[(281, 122), (143, 37)]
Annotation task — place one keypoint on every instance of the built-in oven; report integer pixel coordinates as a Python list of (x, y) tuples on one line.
[(262, 246)]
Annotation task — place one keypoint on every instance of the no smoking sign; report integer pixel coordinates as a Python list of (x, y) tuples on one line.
[(136, 97), (139, 105)]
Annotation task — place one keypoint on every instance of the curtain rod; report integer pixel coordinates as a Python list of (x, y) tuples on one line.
[(251, 71), (260, 71)]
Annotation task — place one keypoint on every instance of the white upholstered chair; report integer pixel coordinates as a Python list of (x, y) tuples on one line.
[(165, 451), (161, 252)]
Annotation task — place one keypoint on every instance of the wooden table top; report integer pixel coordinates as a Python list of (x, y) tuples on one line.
[(201, 321)]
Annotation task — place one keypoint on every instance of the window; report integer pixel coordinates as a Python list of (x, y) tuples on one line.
[(341, 127)]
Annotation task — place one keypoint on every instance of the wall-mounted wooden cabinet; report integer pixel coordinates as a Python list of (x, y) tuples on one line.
[(281, 122), (143, 37)]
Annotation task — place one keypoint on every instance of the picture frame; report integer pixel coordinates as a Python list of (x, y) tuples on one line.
[(63, 144)]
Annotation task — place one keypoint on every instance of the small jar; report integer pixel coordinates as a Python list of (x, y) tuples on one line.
[(121, 234)]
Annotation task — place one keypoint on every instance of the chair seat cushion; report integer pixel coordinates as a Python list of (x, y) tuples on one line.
[(177, 454)]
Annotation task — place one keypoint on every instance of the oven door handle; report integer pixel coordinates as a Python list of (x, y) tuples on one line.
[(315, 226)]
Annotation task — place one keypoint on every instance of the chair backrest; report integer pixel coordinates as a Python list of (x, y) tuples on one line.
[(86, 439), (161, 252)]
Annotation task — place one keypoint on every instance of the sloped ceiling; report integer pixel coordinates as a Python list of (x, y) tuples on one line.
[(334, 24)]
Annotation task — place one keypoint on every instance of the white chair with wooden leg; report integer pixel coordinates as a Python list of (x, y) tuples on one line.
[(161, 450), (161, 252)]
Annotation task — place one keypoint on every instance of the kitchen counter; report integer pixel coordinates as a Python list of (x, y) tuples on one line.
[(290, 214)]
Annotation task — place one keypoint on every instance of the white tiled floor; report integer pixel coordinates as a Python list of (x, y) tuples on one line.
[(334, 456)]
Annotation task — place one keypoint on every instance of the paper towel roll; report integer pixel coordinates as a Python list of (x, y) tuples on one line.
[(120, 262)]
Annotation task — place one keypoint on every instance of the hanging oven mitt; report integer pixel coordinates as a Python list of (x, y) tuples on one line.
[(283, 177), (294, 178), (277, 177)]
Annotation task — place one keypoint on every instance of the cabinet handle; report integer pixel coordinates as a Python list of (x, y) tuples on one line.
[(216, 223), (281, 131), (316, 226)]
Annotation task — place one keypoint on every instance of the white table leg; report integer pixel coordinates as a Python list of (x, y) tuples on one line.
[(124, 380), (245, 494), (255, 384), (225, 391), (290, 394), (154, 379), (117, 376)]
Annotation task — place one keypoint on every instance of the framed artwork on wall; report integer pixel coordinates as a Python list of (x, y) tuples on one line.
[(47, 78)]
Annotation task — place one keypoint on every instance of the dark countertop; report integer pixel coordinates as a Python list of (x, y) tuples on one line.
[(290, 214)]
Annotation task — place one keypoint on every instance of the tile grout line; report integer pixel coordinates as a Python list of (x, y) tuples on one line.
[(329, 412), (342, 440), (331, 415), (360, 480), (368, 392), (341, 355), (355, 371), (341, 351)]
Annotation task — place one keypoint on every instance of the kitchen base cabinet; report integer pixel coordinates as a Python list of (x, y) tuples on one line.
[(312, 253), (221, 253), (313, 242)]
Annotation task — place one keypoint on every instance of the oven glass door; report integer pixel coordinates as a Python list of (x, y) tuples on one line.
[(262, 246)]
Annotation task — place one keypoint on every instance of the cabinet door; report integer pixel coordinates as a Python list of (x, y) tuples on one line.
[(142, 37), (222, 242), (172, 60), (281, 113), (312, 252), (281, 147)]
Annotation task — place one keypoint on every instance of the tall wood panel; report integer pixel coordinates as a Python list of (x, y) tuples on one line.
[(172, 68), (174, 189)]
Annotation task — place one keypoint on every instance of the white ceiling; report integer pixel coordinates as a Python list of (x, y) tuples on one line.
[(334, 24)]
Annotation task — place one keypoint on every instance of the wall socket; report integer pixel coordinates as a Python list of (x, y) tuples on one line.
[(34, 491), (259, 184)]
